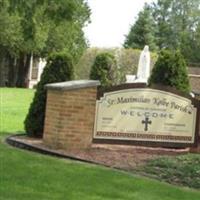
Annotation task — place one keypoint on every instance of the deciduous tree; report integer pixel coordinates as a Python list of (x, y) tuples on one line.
[(40, 27)]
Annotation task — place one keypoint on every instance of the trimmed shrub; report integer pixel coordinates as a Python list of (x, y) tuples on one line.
[(59, 68), (102, 69), (127, 62), (171, 70)]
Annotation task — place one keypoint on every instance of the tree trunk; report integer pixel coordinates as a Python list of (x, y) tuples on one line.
[(2, 82), (23, 68), (12, 73), (3, 69)]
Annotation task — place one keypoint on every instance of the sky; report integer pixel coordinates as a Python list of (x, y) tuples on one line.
[(111, 21)]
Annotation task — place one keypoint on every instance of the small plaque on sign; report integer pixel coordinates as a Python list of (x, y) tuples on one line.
[(145, 115)]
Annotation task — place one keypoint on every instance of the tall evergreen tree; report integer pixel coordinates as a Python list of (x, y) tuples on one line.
[(59, 68), (142, 32)]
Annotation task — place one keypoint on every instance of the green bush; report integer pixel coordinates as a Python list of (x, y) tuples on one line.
[(171, 70), (126, 59), (59, 68), (102, 69)]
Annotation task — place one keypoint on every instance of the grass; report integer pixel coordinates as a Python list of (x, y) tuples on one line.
[(27, 175), (14, 104)]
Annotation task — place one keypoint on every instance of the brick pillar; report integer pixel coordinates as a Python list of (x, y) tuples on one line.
[(70, 114)]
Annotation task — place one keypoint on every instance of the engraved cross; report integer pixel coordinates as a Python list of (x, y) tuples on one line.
[(146, 122)]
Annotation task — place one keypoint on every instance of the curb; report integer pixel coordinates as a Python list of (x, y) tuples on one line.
[(22, 145)]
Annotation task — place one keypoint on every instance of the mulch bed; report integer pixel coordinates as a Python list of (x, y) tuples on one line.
[(124, 157)]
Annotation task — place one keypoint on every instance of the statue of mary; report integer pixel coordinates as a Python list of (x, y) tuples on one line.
[(143, 71)]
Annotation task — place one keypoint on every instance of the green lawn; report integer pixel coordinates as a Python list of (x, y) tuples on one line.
[(29, 176), (14, 104)]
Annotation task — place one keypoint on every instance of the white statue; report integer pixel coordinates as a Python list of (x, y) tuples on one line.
[(143, 71)]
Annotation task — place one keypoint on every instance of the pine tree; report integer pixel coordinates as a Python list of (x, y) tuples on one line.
[(59, 68), (142, 32)]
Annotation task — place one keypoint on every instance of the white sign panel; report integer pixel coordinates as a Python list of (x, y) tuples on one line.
[(145, 115)]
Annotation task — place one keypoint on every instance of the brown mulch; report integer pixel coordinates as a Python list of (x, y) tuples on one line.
[(124, 157)]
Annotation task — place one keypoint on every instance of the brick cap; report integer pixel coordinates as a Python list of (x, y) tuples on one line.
[(71, 85)]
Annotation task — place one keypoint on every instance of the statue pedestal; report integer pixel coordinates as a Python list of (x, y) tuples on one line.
[(133, 79), (141, 80), (130, 78)]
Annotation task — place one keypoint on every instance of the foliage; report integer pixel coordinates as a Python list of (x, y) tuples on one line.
[(83, 67), (59, 68), (11, 33), (182, 170), (174, 25), (126, 62), (142, 32), (177, 25), (170, 70), (102, 69), (196, 45), (38, 28), (161, 14)]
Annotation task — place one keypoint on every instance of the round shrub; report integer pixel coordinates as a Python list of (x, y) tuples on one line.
[(171, 70), (102, 69), (59, 68)]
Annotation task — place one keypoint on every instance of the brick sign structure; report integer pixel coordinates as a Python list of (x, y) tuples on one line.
[(79, 114)]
